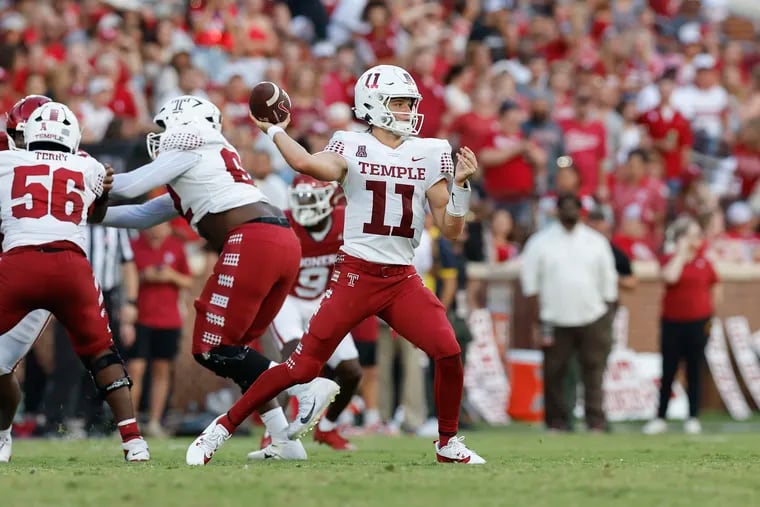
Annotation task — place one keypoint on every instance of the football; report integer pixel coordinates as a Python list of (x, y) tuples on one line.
[(269, 102)]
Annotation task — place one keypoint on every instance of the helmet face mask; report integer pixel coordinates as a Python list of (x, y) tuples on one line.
[(17, 117), (182, 111), (311, 200), (53, 123), (375, 90)]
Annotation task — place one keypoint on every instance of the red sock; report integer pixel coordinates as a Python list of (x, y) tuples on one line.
[(128, 430), (449, 382), (271, 383), (227, 423)]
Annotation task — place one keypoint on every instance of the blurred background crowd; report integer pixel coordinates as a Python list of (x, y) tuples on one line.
[(646, 109)]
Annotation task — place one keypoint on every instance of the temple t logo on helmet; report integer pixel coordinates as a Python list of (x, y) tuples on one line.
[(182, 111), (311, 199), (374, 91)]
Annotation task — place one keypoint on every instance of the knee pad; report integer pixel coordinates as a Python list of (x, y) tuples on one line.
[(241, 364), (95, 366)]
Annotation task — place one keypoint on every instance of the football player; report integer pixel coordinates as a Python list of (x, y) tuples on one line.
[(319, 227), (388, 176), (259, 254), (46, 194)]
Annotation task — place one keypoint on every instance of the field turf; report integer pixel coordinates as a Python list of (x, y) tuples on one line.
[(526, 467)]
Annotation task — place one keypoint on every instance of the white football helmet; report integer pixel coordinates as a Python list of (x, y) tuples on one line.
[(53, 122), (181, 111), (375, 89), (311, 199)]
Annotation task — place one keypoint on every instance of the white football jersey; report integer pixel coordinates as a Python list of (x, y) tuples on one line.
[(217, 182), (45, 196), (386, 193)]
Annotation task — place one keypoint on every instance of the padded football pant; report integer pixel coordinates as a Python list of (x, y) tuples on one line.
[(358, 289)]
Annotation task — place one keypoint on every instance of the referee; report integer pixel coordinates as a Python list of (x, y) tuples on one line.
[(71, 394)]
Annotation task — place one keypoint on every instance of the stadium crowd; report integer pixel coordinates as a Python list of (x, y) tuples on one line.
[(647, 110)]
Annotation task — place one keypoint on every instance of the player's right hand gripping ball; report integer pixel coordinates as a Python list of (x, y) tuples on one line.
[(269, 102)]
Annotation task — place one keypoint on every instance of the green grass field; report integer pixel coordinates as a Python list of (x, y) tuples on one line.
[(526, 467)]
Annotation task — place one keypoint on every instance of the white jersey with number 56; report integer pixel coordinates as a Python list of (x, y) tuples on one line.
[(386, 192), (45, 196)]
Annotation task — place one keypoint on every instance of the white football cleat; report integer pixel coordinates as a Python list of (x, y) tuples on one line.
[(203, 448), (655, 427), (6, 443), (313, 400), (692, 426), (136, 450), (456, 452), (280, 450)]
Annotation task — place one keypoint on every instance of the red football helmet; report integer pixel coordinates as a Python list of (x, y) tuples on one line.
[(18, 115), (311, 199)]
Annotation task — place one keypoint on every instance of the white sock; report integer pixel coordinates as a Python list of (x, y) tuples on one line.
[(272, 364), (326, 425), (6, 432), (371, 416), (276, 423)]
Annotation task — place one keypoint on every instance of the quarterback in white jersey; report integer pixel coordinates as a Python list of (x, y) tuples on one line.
[(45, 195), (259, 255), (388, 177)]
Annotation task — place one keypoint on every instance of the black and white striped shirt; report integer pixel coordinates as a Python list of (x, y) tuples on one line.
[(107, 249)]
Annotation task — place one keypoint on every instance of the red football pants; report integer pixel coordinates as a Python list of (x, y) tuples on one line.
[(257, 267), (357, 290), (61, 281)]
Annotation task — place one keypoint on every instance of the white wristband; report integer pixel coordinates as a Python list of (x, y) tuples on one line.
[(271, 131), (459, 201)]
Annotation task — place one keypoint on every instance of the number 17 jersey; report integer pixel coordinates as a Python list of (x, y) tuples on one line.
[(386, 193)]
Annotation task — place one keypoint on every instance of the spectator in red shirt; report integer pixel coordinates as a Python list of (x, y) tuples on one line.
[(162, 264), (475, 129), (501, 249), (632, 186), (631, 238), (747, 156), (586, 143), (509, 161), (380, 40), (433, 103), (338, 85), (691, 291), (670, 132)]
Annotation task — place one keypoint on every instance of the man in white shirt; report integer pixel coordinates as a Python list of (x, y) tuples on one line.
[(570, 269)]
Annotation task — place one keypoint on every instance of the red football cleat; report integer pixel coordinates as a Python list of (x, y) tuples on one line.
[(333, 439)]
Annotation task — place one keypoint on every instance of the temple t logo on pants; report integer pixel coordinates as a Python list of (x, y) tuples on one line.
[(352, 278)]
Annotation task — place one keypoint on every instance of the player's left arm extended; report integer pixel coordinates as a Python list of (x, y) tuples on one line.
[(141, 216), (449, 209), (167, 166)]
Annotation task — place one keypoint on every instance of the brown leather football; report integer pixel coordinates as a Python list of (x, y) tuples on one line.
[(269, 102)]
